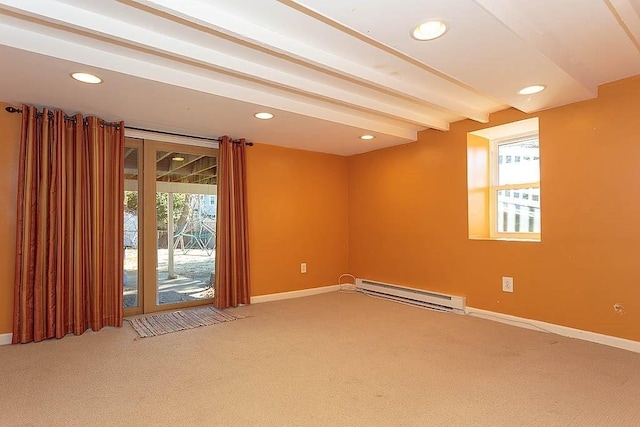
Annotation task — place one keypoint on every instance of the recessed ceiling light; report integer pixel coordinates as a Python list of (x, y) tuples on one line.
[(86, 78), (367, 137), (530, 90), (263, 116), (429, 30), (178, 159)]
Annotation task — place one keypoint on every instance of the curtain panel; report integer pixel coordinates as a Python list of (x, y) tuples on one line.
[(232, 239), (69, 246)]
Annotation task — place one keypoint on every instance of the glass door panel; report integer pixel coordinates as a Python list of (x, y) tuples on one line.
[(131, 288), (186, 205)]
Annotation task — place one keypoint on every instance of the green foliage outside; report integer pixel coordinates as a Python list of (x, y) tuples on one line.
[(131, 202), (179, 200), (180, 206)]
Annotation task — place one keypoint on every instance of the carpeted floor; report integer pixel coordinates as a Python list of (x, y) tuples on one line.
[(328, 360)]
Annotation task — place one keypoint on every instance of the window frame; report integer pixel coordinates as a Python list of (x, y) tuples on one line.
[(495, 187)]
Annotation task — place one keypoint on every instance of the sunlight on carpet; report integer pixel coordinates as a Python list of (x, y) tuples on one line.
[(166, 323)]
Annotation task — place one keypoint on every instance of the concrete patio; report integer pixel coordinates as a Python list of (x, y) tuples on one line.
[(192, 278)]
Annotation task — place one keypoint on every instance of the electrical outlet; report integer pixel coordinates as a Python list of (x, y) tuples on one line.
[(507, 284), (303, 267)]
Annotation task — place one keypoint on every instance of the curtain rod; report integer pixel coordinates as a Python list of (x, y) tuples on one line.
[(67, 118), (235, 141)]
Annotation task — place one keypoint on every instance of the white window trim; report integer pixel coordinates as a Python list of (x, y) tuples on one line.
[(494, 188)]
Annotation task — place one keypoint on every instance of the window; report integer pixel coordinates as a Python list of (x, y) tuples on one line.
[(521, 220), (503, 182)]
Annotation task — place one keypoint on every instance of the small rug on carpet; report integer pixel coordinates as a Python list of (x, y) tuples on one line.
[(160, 324)]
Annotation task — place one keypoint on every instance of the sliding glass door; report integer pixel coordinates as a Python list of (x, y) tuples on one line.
[(177, 228), (186, 204), (132, 216)]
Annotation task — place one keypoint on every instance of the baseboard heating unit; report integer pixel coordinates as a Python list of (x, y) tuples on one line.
[(433, 300)]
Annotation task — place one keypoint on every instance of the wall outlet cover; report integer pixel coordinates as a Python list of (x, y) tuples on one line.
[(507, 284)]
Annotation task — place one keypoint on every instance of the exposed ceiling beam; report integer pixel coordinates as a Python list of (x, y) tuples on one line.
[(513, 17), (208, 16), (208, 180), (628, 17), (162, 155), (203, 169)]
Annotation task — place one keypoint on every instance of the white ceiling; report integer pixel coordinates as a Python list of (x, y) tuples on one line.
[(330, 71)]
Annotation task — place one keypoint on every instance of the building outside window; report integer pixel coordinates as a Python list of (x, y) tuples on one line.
[(516, 218)]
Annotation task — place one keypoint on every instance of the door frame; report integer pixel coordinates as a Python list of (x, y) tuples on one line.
[(147, 225)]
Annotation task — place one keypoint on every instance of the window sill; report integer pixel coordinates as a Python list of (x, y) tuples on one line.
[(506, 239)]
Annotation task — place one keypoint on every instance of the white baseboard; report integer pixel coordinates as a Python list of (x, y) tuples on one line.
[(565, 331), (294, 294), (5, 339)]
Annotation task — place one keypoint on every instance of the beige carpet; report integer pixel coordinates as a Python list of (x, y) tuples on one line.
[(328, 360)]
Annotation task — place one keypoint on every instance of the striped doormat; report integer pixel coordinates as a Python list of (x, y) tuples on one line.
[(160, 324)]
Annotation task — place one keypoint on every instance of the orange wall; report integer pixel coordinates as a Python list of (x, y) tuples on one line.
[(408, 218), (297, 213), (10, 140), (479, 161)]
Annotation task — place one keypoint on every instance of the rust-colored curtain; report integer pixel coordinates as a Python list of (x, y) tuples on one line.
[(232, 239), (69, 256)]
